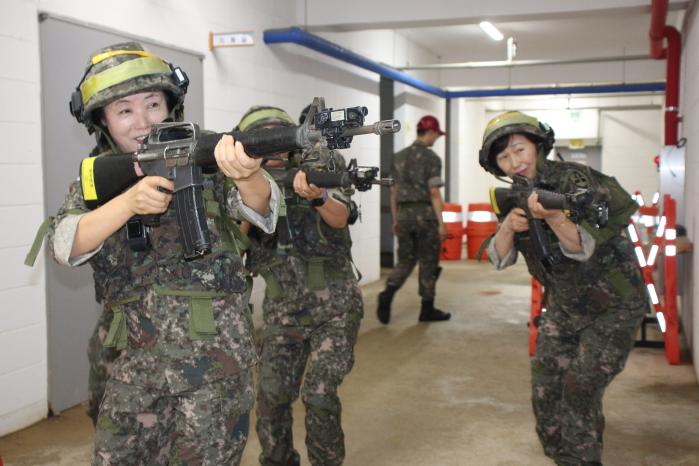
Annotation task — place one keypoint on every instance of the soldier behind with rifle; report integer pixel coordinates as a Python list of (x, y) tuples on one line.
[(180, 389), (312, 306), (594, 293)]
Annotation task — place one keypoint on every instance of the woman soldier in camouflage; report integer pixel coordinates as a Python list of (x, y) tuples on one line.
[(312, 310), (180, 390), (594, 294)]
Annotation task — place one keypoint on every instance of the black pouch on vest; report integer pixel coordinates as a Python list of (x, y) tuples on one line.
[(137, 235)]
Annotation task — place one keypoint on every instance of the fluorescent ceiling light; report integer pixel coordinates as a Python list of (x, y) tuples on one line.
[(491, 30)]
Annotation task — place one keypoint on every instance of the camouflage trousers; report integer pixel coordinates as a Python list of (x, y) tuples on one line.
[(570, 371), (418, 242), (326, 353), (205, 426), (100, 360)]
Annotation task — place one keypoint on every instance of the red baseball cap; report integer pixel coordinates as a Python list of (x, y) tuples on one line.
[(430, 122)]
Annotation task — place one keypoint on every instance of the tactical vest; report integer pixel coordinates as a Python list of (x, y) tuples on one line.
[(123, 275), (302, 233), (610, 276)]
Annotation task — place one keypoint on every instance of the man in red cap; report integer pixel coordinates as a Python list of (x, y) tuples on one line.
[(416, 209)]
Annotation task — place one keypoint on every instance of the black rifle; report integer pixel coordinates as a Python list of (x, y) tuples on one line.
[(179, 152), (361, 178), (577, 204)]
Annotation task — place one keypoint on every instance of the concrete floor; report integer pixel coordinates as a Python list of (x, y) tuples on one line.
[(454, 393)]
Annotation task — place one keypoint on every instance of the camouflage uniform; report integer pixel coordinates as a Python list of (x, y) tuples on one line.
[(181, 388), (594, 305), (416, 170), (312, 311), (100, 359)]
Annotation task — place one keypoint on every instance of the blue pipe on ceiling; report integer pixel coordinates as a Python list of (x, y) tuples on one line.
[(297, 35), (601, 89)]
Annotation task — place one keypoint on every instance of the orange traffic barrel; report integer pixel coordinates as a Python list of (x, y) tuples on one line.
[(453, 222), (481, 222)]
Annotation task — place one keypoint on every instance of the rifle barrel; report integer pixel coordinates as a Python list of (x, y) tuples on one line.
[(380, 127)]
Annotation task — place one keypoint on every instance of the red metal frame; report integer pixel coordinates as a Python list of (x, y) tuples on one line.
[(667, 303)]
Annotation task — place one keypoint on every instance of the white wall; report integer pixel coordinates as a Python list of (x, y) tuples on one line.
[(689, 108), (23, 360), (234, 79), (630, 141), (474, 182)]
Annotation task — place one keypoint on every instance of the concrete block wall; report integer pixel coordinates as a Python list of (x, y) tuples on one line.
[(23, 359)]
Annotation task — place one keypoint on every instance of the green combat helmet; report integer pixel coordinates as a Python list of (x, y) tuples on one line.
[(264, 115), (121, 70), (514, 123)]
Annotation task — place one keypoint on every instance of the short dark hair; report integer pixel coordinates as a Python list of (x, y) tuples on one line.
[(421, 132)]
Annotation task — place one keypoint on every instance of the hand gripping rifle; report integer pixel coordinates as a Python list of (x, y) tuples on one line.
[(576, 205), (179, 152)]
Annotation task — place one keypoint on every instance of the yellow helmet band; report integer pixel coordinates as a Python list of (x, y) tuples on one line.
[(264, 114), (123, 72)]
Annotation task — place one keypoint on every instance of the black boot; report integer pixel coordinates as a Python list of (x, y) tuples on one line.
[(385, 298), (428, 313)]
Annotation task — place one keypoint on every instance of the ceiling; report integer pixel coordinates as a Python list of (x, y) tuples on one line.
[(560, 38), (447, 31)]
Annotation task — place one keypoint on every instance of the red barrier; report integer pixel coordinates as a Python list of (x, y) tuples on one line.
[(481, 223), (535, 314), (665, 305), (452, 218)]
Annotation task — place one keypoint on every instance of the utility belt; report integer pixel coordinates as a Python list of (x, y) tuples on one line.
[(414, 203), (201, 313), (319, 271)]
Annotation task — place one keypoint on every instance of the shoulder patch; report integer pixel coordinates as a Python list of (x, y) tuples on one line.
[(578, 179)]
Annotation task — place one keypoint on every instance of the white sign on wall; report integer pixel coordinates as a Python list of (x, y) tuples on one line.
[(230, 39)]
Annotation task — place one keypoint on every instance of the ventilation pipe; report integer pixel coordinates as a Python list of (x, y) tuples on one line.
[(659, 30)]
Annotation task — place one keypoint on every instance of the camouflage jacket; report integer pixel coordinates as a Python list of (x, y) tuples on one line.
[(306, 263), (416, 170), (610, 278), (181, 323)]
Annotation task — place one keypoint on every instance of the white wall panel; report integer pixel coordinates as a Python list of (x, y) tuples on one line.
[(689, 108)]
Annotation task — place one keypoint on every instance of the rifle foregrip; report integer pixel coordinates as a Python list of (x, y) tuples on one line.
[(329, 179), (269, 141), (322, 179), (551, 200), (258, 143), (191, 218)]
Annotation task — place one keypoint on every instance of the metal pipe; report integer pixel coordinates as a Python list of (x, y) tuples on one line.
[(518, 63), (659, 31), (672, 95), (658, 18), (603, 89), (299, 36)]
